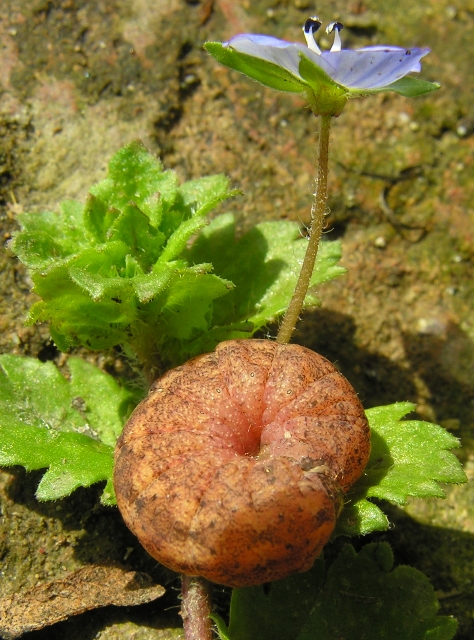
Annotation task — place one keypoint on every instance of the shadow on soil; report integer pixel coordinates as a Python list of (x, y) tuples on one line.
[(445, 555), (444, 363), (98, 534)]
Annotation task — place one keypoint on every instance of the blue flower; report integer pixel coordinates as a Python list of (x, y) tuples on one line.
[(327, 78)]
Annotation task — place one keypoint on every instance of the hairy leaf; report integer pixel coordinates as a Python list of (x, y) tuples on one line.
[(111, 272), (264, 265), (408, 458), (119, 270), (67, 427), (48, 237)]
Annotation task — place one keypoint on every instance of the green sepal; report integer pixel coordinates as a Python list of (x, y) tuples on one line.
[(408, 86), (326, 97), (267, 73)]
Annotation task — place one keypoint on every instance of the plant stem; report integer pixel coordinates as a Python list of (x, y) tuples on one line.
[(196, 608), (317, 222)]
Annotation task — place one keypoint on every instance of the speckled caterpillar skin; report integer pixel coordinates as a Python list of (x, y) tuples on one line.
[(234, 466)]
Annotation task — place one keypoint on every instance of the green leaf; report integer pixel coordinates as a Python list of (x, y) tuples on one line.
[(111, 273), (136, 176), (201, 195), (361, 597), (99, 398), (48, 237), (263, 264), (364, 598), (66, 427), (132, 280), (188, 304), (408, 458), (143, 241), (267, 73), (278, 610)]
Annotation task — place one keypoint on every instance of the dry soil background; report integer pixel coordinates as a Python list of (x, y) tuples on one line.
[(79, 79)]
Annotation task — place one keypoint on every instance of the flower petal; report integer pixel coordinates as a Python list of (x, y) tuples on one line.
[(372, 67), (281, 52), (365, 68)]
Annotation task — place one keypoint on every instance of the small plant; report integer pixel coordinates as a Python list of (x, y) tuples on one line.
[(141, 266)]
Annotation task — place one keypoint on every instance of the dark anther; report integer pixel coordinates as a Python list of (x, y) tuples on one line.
[(312, 25), (334, 26)]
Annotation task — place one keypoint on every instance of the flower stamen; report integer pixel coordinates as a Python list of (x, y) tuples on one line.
[(336, 27), (310, 27)]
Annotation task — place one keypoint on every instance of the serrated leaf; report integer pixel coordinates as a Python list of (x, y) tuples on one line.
[(72, 460), (48, 237), (361, 598), (150, 285), (201, 195), (408, 458), (143, 241), (421, 457), (278, 610), (111, 273), (35, 394), (179, 239), (136, 176), (263, 264), (360, 517), (364, 598), (75, 318), (98, 218), (183, 311), (66, 427), (100, 399), (67, 469)]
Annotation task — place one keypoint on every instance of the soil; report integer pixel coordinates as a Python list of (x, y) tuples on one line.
[(80, 79)]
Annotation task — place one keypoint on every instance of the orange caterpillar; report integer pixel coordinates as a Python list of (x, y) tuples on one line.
[(234, 466)]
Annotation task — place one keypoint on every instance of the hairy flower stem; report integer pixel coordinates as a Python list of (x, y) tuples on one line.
[(317, 222), (196, 608)]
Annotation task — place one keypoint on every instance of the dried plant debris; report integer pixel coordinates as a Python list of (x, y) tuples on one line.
[(87, 588)]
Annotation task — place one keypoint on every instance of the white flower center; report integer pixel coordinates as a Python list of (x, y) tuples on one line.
[(312, 25)]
